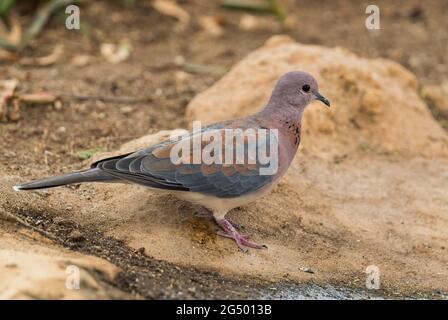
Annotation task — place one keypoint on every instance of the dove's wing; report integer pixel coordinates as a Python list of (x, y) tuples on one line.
[(153, 167)]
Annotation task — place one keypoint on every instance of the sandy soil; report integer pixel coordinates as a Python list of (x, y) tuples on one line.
[(321, 216), (33, 266)]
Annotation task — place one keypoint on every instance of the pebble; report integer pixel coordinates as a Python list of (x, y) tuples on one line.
[(76, 235), (61, 130), (58, 220), (58, 105), (306, 269), (126, 110), (9, 154), (141, 250)]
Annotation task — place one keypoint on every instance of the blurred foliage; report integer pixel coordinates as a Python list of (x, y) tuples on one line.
[(5, 7), (256, 6), (44, 9)]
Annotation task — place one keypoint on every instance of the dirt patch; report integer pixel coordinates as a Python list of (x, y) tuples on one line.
[(139, 274), (142, 276), (33, 266)]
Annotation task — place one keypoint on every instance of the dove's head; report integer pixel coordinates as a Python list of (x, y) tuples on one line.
[(297, 89)]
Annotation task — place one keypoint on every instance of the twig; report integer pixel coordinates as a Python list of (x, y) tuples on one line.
[(120, 99), (27, 225), (204, 69)]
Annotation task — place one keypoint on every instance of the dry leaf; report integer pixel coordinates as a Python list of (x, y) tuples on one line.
[(38, 98), (249, 22), (10, 101), (15, 34), (7, 56), (7, 89), (12, 35), (81, 60), (46, 60), (14, 114), (115, 54), (172, 9), (181, 77), (211, 25)]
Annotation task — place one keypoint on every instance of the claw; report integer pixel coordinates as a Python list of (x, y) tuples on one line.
[(229, 230), (243, 242)]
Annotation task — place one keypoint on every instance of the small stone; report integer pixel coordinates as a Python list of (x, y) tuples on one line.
[(158, 92), (9, 154), (141, 250), (211, 25), (307, 270), (76, 236), (249, 22), (126, 110), (80, 60), (61, 130), (58, 220), (181, 77), (179, 60), (58, 105), (11, 265)]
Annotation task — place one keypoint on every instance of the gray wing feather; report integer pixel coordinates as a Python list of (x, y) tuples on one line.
[(146, 169)]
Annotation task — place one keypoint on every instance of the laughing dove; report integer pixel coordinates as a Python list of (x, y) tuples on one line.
[(224, 179)]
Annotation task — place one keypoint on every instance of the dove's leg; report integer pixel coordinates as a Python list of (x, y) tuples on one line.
[(203, 212), (229, 231)]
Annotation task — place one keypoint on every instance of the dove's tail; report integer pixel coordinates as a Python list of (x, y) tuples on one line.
[(90, 175)]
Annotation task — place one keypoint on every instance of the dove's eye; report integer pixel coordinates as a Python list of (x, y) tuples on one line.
[(306, 88)]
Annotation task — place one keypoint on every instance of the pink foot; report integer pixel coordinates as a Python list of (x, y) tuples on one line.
[(203, 212), (229, 231)]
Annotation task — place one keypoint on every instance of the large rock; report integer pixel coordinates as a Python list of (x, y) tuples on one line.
[(375, 102)]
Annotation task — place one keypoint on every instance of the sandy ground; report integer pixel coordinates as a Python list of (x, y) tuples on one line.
[(360, 192), (34, 267)]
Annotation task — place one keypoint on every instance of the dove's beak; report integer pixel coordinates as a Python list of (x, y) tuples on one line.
[(322, 99)]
